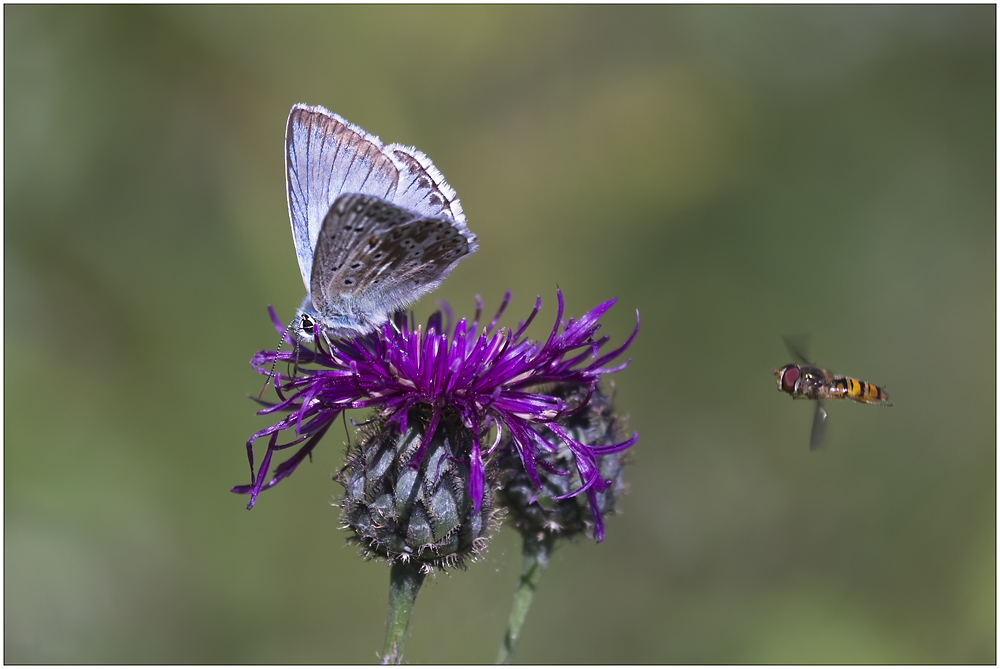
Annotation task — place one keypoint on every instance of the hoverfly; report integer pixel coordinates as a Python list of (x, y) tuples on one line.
[(805, 380)]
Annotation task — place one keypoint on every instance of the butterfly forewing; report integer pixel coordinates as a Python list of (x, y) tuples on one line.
[(326, 156)]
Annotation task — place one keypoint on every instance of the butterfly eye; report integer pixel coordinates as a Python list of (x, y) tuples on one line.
[(307, 323)]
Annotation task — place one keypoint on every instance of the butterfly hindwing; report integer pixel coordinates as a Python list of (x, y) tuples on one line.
[(377, 256), (351, 245), (421, 186)]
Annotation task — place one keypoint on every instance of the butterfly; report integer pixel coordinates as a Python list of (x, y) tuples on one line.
[(375, 226)]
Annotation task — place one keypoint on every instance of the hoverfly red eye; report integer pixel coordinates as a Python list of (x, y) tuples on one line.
[(789, 375)]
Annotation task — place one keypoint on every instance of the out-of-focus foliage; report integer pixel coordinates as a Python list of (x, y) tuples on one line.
[(735, 173)]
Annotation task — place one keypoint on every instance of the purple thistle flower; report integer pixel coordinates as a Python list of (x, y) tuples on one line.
[(492, 380)]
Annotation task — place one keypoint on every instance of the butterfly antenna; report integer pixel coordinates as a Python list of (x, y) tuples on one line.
[(346, 433), (277, 350)]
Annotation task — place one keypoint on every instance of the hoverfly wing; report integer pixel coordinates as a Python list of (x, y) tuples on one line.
[(798, 346), (818, 428)]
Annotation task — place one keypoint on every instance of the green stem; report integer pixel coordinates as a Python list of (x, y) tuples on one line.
[(404, 584), (536, 558)]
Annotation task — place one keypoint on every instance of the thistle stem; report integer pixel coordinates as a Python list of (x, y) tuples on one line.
[(404, 584), (535, 559)]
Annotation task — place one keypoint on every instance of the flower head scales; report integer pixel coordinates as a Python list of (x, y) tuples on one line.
[(493, 380)]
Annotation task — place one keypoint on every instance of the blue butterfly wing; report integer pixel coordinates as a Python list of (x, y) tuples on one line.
[(326, 156), (422, 188)]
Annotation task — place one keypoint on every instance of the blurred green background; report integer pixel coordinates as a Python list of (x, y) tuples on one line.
[(734, 173)]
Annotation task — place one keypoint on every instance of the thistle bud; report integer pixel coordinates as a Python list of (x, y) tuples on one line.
[(402, 509), (539, 513)]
